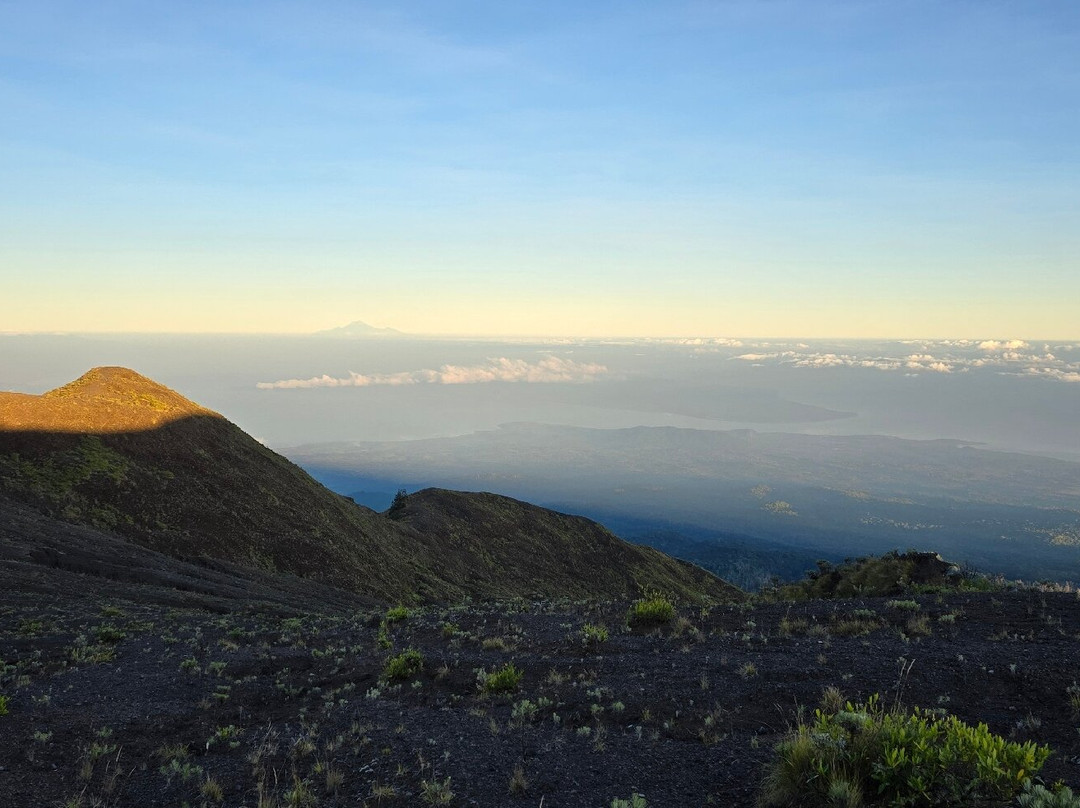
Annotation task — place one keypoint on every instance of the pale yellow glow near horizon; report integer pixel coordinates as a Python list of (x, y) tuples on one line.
[(300, 312)]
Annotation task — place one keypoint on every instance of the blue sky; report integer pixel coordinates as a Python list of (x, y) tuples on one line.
[(885, 169)]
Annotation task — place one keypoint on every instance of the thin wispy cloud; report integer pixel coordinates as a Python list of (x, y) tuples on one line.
[(549, 370)]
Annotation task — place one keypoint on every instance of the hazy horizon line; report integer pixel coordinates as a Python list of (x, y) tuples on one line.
[(407, 335)]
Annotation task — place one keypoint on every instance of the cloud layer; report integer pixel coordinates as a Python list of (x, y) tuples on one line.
[(1013, 357), (501, 369)]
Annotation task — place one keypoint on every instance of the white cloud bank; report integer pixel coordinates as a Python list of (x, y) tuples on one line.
[(550, 369), (1013, 357), (995, 346)]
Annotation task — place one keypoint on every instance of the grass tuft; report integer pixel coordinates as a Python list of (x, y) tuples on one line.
[(655, 609)]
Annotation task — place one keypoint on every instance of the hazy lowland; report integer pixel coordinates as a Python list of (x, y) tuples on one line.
[(751, 457)]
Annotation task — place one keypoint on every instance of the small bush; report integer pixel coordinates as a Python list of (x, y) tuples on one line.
[(183, 769), (4, 702), (519, 783), (656, 609), (504, 680), (594, 635), (635, 801), (903, 605), (109, 634), (524, 712), (190, 665), (225, 736), (407, 663), (1073, 692), (1036, 796), (300, 795), (93, 654), (382, 639), (918, 626), (904, 758), (434, 792), (788, 626), (397, 613), (854, 628), (211, 790)]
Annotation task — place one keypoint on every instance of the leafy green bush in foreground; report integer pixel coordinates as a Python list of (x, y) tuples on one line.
[(654, 609), (406, 664), (3, 705), (504, 680), (865, 755)]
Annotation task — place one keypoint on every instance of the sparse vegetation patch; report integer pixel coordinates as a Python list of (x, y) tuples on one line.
[(655, 609)]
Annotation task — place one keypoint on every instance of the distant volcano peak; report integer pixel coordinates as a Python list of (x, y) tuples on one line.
[(358, 328)]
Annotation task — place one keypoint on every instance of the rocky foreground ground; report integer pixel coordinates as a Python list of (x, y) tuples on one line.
[(116, 702)]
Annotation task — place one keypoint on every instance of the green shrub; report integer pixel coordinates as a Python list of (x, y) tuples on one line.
[(180, 768), (435, 792), (853, 628), (594, 635), (1036, 796), (918, 626), (397, 613), (190, 665), (890, 575), (107, 633), (407, 663), (225, 736), (96, 654), (635, 801), (504, 680), (382, 639), (903, 605), (656, 609), (896, 758), (300, 795), (4, 702)]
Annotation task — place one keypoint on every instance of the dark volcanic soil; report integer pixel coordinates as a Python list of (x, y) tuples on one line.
[(120, 703)]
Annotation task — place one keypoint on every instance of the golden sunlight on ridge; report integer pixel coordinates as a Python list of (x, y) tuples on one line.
[(101, 401)]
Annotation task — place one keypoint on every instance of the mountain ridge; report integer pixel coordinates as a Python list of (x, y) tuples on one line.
[(182, 480)]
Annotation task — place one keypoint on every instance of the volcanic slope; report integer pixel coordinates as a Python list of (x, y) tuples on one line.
[(118, 452)]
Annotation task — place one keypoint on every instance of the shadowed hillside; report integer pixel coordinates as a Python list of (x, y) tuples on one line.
[(501, 545), (116, 451)]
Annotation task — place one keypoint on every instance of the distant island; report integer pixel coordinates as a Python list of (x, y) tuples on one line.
[(358, 328)]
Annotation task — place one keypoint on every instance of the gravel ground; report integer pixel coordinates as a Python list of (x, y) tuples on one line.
[(114, 702)]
